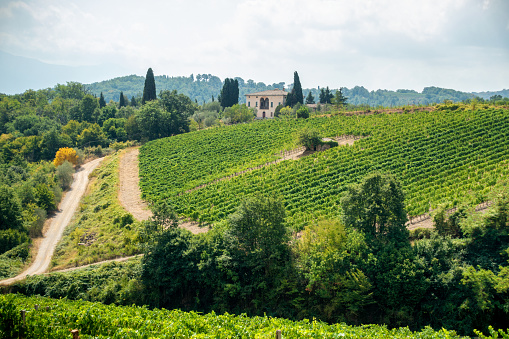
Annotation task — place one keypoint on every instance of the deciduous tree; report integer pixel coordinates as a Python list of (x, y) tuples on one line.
[(65, 154), (376, 207)]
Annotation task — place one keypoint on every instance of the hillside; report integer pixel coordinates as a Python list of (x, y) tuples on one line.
[(448, 155), (205, 86)]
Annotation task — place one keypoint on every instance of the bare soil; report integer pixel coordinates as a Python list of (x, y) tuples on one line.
[(129, 192)]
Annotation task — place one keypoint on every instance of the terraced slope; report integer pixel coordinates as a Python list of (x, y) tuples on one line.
[(439, 156)]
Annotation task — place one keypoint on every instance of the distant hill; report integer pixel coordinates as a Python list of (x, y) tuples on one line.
[(203, 87)]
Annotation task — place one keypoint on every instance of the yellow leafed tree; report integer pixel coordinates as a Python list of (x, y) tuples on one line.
[(63, 154)]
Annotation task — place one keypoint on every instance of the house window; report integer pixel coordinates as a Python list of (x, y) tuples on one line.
[(272, 104), (249, 104), (257, 104)]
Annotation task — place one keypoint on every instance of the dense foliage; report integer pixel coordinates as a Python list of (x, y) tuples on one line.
[(202, 87), (448, 155), (229, 94), (333, 272), (54, 318)]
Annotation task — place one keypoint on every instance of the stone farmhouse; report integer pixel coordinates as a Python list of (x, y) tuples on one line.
[(266, 102)]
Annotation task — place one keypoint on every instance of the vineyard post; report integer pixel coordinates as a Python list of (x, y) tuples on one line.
[(75, 334), (36, 307), (278, 334), (23, 316)]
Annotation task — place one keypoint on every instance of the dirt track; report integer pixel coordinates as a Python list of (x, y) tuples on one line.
[(66, 210)]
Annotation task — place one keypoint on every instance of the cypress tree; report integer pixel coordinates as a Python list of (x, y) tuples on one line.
[(133, 101), (102, 102), (121, 101), (297, 89), (149, 91), (229, 94), (310, 99)]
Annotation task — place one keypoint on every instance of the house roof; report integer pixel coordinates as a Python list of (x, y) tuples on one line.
[(271, 92)]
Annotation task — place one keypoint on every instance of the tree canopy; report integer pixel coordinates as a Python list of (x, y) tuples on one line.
[(229, 95), (376, 207), (149, 91)]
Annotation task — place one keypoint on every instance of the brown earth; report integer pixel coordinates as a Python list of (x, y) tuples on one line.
[(129, 192)]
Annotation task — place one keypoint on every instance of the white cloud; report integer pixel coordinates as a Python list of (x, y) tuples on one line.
[(330, 42)]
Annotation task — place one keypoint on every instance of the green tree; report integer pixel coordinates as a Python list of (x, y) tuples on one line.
[(257, 245), (376, 207), (45, 198), (339, 99), (10, 209), (297, 90), (309, 138), (310, 99), (303, 112), (325, 96), (88, 108), (229, 94), (122, 102), (102, 102), (149, 91), (239, 113)]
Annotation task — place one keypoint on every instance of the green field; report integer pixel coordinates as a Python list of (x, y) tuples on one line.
[(448, 155), (54, 318)]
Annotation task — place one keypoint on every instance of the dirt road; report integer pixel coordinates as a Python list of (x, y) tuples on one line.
[(61, 219)]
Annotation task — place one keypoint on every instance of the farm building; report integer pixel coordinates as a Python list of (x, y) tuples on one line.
[(266, 102)]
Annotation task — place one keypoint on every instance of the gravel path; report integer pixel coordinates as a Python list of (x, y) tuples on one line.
[(62, 217)]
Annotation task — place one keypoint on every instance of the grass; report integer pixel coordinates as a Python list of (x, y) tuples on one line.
[(101, 228)]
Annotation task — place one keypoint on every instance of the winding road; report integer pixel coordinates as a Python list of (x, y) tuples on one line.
[(62, 218)]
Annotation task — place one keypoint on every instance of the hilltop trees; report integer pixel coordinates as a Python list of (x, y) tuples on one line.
[(229, 95), (325, 96), (149, 91)]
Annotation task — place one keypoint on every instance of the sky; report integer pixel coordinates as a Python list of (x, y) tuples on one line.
[(378, 44)]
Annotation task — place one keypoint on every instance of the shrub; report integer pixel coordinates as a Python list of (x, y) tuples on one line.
[(64, 174), (65, 154)]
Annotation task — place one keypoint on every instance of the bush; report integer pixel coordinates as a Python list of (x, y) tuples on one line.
[(65, 154), (10, 239), (64, 175), (303, 112)]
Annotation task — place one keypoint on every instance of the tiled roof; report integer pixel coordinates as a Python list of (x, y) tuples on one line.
[(271, 92)]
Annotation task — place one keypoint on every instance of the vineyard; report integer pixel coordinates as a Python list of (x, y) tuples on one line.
[(448, 155), (54, 318)]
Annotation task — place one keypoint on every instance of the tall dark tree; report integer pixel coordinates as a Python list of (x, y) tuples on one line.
[(149, 91), (310, 99), (102, 102), (122, 101), (325, 96), (295, 96), (133, 101), (297, 89), (229, 94)]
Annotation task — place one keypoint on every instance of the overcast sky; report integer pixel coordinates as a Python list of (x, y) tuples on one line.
[(387, 44)]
